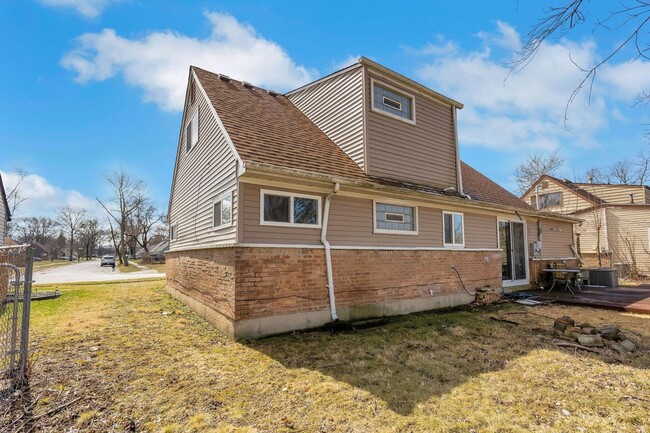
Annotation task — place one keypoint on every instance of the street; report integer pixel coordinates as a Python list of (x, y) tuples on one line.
[(89, 271)]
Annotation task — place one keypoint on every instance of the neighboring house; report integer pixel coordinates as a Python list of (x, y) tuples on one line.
[(345, 198), (5, 216), (616, 219)]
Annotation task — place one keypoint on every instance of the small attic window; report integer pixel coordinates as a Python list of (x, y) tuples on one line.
[(192, 131), (393, 102)]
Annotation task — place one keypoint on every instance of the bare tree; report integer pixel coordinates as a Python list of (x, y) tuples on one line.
[(15, 196), (534, 166), (70, 219), (90, 234), (621, 172), (642, 165), (127, 196), (596, 175), (628, 18), (146, 220), (33, 229)]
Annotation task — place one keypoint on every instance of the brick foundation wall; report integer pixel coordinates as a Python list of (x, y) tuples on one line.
[(252, 283), (591, 261), (205, 275)]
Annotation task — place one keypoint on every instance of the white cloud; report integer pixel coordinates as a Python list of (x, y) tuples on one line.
[(348, 61), (44, 198), (158, 63), (527, 110), (87, 8)]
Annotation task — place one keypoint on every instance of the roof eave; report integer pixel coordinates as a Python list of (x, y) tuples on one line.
[(424, 89), (253, 167)]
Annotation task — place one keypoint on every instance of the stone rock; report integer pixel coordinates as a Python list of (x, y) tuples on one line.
[(590, 340), (563, 322), (571, 335), (584, 325), (573, 329), (618, 347), (628, 345), (610, 332), (588, 330)]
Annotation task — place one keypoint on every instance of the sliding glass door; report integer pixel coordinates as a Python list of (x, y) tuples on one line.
[(512, 241)]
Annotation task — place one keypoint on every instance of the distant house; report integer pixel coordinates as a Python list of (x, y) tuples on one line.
[(345, 198), (5, 215), (616, 219)]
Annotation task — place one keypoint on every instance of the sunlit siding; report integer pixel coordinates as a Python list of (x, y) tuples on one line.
[(335, 105), (3, 220), (423, 152), (589, 229), (557, 238), (628, 235), (571, 202), (203, 174)]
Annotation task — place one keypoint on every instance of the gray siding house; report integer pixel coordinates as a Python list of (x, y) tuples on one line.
[(343, 199), (5, 216)]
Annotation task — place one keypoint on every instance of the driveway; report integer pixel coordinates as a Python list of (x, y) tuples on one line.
[(89, 271)]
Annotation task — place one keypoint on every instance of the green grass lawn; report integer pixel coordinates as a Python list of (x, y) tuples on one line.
[(160, 267), (127, 357)]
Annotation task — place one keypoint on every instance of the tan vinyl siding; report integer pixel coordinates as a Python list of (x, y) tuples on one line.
[(480, 231), (254, 232), (557, 238), (351, 224), (424, 152), (628, 236), (202, 175), (335, 105), (618, 194), (646, 195), (588, 231), (571, 202)]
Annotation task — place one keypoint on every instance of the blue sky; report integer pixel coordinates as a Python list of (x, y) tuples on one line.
[(91, 86)]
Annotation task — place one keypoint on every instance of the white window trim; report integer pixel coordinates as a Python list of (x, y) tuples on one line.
[(292, 196), (396, 90), (462, 217), (394, 232), (220, 199)]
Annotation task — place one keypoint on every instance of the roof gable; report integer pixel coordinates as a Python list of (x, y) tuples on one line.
[(569, 186), (265, 127)]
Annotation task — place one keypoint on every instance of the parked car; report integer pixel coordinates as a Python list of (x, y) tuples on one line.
[(108, 261), (38, 259)]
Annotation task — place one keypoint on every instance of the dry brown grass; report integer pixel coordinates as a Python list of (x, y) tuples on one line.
[(139, 361)]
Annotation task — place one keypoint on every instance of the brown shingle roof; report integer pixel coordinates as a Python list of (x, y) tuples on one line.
[(481, 188), (271, 130)]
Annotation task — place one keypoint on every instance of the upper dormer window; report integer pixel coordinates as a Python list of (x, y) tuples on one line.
[(546, 200), (393, 102)]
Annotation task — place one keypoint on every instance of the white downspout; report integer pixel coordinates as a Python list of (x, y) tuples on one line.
[(328, 251)]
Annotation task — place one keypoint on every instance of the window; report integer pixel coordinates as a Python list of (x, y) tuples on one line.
[(392, 218), (192, 131), (282, 208), (453, 229), (172, 232), (222, 211), (546, 200), (390, 101)]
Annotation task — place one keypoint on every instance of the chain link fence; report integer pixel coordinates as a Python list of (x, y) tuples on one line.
[(16, 264)]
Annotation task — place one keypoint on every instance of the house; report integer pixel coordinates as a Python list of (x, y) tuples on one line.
[(5, 215), (343, 199), (616, 219)]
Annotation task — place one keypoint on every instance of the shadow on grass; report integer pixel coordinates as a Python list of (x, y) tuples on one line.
[(416, 357)]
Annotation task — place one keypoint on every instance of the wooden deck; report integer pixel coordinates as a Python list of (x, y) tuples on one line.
[(634, 299)]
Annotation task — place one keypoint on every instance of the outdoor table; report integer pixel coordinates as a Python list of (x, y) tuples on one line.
[(568, 283)]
